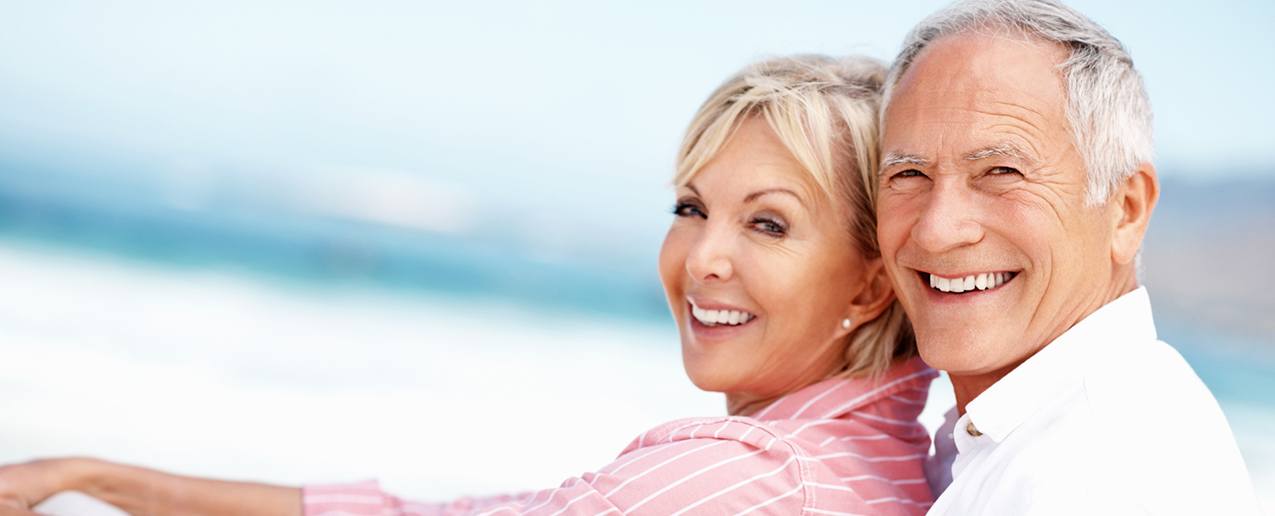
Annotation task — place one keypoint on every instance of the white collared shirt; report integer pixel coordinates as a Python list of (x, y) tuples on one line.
[(1106, 419)]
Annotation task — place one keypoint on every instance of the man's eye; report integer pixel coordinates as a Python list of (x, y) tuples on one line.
[(686, 209), (908, 173), (1003, 171)]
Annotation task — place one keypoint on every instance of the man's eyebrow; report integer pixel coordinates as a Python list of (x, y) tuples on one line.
[(899, 158), (755, 195), (1000, 150)]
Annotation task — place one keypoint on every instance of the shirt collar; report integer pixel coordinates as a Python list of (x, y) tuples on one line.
[(1061, 364), (836, 397)]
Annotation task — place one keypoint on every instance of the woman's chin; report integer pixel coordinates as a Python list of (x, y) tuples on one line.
[(707, 374), (719, 359)]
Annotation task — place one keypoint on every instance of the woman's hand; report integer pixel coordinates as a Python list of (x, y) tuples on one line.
[(23, 486), (139, 490)]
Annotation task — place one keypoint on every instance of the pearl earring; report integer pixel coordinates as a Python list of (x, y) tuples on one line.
[(845, 323)]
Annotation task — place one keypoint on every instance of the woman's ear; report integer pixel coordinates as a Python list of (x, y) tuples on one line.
[(874, 296), (1132, 204)]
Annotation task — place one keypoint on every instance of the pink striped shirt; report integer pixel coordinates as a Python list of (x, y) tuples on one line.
[(835, 447)]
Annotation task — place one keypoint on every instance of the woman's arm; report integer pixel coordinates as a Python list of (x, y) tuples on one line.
[(141, 491), (700, 466)]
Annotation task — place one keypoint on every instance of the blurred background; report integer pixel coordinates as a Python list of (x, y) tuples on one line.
[(327, 241)]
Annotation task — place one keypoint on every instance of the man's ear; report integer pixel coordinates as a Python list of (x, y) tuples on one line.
[(1132, 205), (874, 296)]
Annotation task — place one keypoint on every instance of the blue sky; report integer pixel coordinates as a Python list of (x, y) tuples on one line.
[(396, 78), (577, 104)]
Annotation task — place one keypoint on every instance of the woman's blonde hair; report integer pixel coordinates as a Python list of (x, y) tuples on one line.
[(824, 111)]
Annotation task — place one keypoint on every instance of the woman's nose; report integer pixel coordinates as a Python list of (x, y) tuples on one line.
[(710, 256)]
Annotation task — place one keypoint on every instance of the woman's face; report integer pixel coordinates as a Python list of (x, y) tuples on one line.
[(760, 271)]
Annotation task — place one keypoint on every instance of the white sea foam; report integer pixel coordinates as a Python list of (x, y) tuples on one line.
[(212, 374)]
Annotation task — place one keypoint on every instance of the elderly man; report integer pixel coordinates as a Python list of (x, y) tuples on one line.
[(1015, 187)]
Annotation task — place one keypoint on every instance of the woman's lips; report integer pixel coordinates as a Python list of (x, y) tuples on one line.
[(717, 324), (720, 315)]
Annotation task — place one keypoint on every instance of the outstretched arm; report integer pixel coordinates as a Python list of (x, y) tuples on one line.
[(141, 491), (693, 466)]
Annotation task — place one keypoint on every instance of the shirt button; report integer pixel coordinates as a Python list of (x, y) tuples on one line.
[(970, 429)]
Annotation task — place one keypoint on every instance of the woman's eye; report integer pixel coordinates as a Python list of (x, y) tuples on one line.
[(686, 209), (769, 226)]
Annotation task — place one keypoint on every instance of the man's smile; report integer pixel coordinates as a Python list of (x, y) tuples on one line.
[(964, 283)]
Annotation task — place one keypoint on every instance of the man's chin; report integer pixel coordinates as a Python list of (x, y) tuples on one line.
[(988, 358), (958, 356)]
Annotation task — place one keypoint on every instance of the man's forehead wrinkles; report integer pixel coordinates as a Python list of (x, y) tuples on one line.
[(1036, 123), (1020, 106), (1032, 130), (941, 131), (930, 111), (1030, 143), (1031, 119)]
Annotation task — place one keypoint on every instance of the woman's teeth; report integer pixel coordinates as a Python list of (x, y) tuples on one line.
[(716, 317), (985, 281)]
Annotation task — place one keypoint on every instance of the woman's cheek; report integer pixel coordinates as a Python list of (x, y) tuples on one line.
[(672, 258)]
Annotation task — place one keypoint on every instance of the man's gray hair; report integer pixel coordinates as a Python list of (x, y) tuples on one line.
[(1107, 105)]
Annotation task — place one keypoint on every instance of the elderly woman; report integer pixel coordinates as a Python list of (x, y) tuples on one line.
[(772, 273)]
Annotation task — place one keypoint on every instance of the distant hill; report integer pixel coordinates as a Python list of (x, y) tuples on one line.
[(1209, 253)]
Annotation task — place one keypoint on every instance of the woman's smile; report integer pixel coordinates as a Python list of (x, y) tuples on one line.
[(711, 321)]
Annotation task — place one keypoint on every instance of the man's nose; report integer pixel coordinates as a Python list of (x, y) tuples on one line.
[(949, 218), (710, 257)]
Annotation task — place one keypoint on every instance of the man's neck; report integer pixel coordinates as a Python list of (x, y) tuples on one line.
[(969, 387)]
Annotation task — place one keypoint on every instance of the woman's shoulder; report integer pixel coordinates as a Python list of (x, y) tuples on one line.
[(746, 430), (833, 404), (705, 465), (778, 458)]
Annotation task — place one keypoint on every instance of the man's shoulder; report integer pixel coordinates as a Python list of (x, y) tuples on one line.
[(1145, 382), (1147, 399), (1152, 419)]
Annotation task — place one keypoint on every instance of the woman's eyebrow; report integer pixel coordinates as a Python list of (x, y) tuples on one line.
[(758, 194)]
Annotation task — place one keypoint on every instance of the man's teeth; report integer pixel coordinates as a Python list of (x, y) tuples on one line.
[(985, 281), (716, 317)]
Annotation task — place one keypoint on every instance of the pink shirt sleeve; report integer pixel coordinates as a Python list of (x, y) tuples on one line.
[(841, 445), (669, 476)]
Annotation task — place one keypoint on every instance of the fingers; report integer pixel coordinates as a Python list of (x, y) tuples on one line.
[(7, 510), (24, 485)]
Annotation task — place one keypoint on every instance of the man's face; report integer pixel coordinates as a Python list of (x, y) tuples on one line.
[(982, 218)]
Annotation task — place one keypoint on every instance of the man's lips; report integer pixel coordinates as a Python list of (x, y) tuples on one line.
[(963, 283)]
